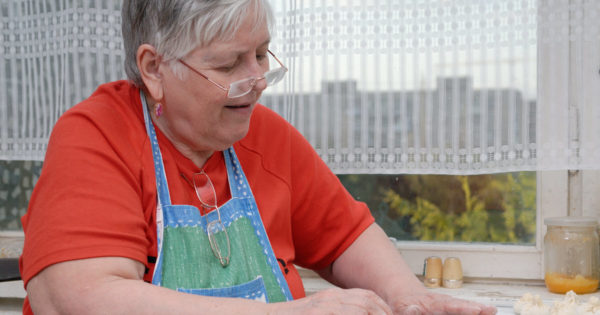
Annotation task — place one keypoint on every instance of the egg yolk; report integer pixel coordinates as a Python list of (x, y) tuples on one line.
[(560, 283)]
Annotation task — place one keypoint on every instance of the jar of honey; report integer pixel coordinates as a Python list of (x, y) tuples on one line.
[(572, 254)]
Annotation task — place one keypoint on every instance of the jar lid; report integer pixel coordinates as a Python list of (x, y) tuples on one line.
[(572, 221)]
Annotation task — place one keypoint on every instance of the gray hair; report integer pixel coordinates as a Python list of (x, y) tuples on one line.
[(176, 27)]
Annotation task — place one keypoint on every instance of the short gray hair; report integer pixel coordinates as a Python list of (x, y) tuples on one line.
[(176, 27)]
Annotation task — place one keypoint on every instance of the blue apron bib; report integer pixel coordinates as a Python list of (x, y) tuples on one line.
[(185, 260)]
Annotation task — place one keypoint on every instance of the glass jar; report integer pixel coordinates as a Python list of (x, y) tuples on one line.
[(571, 254)]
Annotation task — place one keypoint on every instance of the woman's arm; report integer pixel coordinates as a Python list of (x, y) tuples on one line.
[(372, 262), (114, 285)]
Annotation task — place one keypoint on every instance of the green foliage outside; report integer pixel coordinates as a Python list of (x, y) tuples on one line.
[(17, 179), (497, 208)]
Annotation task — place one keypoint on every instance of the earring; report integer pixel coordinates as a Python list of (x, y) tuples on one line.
[(158, 109)]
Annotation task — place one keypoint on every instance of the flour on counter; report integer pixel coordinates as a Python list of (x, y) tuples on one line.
[(530, 304), (591, 307)]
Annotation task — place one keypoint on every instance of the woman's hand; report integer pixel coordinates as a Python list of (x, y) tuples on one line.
[(358, 301), (336, 301), (383, 271), (435, 303)]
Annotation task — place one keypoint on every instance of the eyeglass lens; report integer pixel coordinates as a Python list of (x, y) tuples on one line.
[(274, 76), (242, 87), (216, 231), (219, 241)]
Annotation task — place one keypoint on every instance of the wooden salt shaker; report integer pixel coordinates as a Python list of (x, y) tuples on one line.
[(453, 274), (432, 272)]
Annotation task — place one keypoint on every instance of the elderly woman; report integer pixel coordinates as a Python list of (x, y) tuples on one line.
[(175, 192)]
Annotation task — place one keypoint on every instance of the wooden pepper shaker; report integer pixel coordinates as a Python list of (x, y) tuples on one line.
[(453, 274), (432, 272)]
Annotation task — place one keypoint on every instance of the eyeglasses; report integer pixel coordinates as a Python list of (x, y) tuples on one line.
[(217, 233), (244, 86)]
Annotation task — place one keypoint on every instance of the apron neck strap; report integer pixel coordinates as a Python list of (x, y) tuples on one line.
[(238, 183), (162, 187)]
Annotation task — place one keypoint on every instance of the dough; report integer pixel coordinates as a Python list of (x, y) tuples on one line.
[(568, 306), (530, 304)]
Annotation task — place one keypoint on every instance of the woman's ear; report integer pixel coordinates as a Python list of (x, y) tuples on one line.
[(148, 62)]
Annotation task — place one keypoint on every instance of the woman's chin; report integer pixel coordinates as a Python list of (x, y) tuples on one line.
[(232, 138)]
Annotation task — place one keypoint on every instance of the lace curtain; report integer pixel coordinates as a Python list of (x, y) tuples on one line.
[(444, 87), (396, 86), (54, 53)]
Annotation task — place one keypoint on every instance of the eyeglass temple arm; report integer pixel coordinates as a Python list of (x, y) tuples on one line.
[(216, 83), (202, 75), (279, 61)]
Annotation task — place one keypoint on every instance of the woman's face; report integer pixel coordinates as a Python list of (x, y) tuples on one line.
[(197, 115)]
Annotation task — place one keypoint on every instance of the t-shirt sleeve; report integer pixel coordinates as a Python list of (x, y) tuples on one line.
[(87, 201), (326, 218)]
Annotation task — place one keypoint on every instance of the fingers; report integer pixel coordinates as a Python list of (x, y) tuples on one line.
[(449, 310), (433, 303), (413, 310), (366, 299), (459, 306), (359, 301), (351, 301), (489, 310)]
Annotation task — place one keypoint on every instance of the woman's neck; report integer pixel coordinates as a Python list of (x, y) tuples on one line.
[(197, 157)]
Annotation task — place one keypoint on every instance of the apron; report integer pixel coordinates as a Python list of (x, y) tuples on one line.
[(185, 260)]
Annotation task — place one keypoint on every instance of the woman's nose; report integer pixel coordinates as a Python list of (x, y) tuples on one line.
[(258, 73), (260, 84)]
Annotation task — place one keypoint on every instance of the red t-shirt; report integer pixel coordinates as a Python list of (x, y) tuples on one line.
[(96, 195)]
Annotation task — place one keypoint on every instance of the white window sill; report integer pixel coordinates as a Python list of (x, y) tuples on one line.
[(12, 289), (11, 297)]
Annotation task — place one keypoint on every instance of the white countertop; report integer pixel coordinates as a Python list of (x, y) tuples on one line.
[(501, 293)]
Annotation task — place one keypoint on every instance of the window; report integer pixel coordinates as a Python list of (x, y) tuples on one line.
[(491, 208), (402, 94), (444, 92)]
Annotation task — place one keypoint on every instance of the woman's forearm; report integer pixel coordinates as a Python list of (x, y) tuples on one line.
[(113, 285), (373, 262)]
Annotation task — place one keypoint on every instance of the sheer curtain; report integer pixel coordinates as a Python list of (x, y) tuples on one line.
[(54, 53), (396, 86), (443, 87)]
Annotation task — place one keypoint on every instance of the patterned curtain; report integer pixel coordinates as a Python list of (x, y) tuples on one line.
[(443, 87), (377, 86), (54, 53)]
